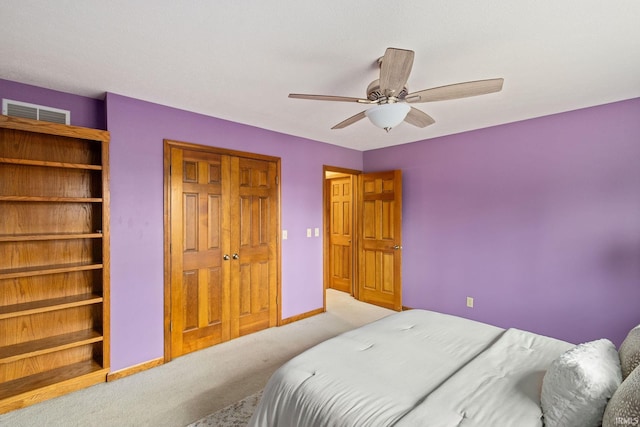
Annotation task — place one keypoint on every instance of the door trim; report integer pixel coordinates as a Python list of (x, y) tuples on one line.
[(168, 145), (326, 216)]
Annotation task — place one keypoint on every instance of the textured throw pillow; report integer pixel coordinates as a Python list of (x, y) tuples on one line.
[(578, 384), (630, 352), (624, 407)]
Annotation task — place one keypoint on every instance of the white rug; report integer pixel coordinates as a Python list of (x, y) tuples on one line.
[(235, 415)]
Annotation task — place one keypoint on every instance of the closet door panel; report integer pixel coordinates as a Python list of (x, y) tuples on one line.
[(199, 297), (254, 242)]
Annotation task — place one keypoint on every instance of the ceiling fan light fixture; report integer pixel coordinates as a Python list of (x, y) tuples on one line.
[(388, 116)]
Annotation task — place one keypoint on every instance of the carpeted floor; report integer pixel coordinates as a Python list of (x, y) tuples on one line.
[(193, 386)]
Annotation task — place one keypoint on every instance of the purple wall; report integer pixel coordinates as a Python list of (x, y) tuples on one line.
[(538, 220), (85, 112), (137, 132)]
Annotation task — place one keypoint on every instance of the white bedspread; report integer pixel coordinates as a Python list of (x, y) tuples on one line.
[(373, 375), (500, 387), (414, 368)]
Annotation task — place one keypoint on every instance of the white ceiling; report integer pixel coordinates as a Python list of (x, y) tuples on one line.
[(238, 60)]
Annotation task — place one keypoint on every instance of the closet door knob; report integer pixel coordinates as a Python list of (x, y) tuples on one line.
[(226, 257), (236, 256)]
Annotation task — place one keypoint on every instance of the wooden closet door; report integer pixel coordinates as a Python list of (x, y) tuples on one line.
[(200, 313), (223, 222), (254, 233)]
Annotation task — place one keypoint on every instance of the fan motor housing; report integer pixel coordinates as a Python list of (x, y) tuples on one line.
[(374, 93)]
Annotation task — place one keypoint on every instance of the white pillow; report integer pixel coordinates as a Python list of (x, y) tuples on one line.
[(578, 384)]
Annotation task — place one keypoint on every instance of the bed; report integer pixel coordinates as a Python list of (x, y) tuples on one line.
[(414, 368)]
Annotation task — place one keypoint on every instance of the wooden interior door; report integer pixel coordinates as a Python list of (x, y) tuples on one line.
[(254, 214), (200, 294), (340, 192), (223, 263), (380, 257)]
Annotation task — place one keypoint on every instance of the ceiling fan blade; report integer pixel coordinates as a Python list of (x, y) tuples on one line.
[(394, 70), (419, 118), (328, 98), (351, 120), (455, 91)]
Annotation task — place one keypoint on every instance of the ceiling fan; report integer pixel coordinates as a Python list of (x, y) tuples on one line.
[(390, 96)]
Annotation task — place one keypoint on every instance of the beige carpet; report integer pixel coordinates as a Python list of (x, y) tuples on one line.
[(196, 385)]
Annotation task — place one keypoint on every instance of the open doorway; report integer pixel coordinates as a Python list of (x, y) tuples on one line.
[(362, 219), (340, 242)]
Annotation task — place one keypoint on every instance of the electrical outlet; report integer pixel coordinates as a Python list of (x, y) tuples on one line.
[(470, 302)]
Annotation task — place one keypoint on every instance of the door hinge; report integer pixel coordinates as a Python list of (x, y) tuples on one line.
[(277, 180), (171, 326)]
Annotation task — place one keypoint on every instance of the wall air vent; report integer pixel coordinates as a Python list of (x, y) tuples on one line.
[(36, 112)]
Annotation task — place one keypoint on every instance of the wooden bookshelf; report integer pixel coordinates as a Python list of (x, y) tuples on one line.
[(54, 260)]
